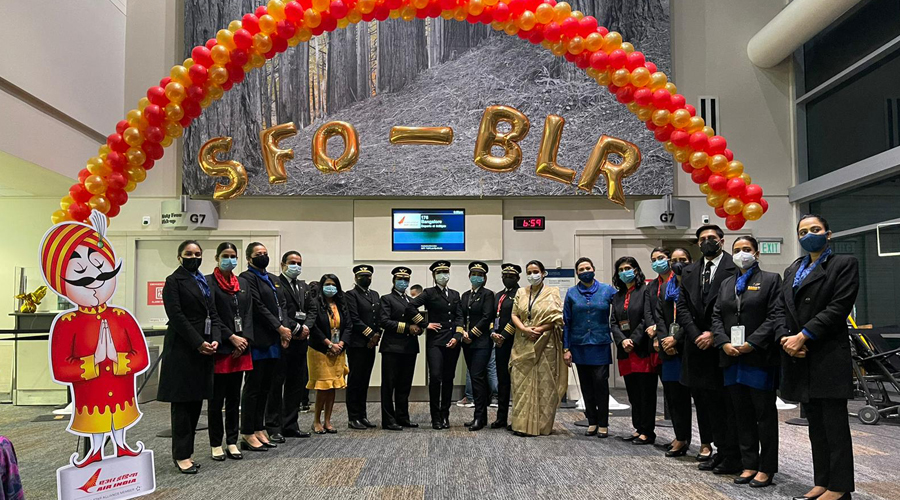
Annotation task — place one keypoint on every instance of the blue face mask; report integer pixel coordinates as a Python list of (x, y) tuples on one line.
[(227, 264), (627, 276), (329, 290), (401, 285), (814, 242), (476, 280), (292, 271), (660, 266), (586, 277)]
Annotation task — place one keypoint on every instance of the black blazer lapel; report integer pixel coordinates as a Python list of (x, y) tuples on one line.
[(725, 270), (286, 284), (815, 275), (192, 286)]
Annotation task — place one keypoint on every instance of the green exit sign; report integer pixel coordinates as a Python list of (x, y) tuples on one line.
[(770, 247)]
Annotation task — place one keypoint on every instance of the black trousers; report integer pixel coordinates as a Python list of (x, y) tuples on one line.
[(288, 390), (704, 415), (397, 371), (832, 447), (594, 381), (441, 370), (361, 360), (716, 408), (227, 393), (504, 382), (184, 424), (641, 388), (678, 398), (757, 427), (477, 362), (257, 385)]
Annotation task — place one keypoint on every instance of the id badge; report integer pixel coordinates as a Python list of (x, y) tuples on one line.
[(737, 335), (675, 330), (335, 335), (207, 327), (625, 325), (238, 324), (300, 316)]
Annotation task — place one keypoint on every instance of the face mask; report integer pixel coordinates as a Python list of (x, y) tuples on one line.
[(709, 248), (476, 280), (191, 263), (586, 277), (329, 290), (364, 281), (510, 281), (401, 285), (660, 266), (744, 260), (442, 279), (227, 263), (260, 261), (292, 271), (535, 278), (814, 242), (626, 276), (678, 268)]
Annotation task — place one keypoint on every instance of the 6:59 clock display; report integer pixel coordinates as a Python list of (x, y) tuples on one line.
[(530, 223)]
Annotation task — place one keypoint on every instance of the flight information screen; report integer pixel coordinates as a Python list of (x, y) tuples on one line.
[(425, 230)]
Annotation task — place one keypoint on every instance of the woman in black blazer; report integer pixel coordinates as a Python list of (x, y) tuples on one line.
[(235, 308), (669, 343), (819, 292), (748, 315), (186, 375), (638, 362), (326, 358)]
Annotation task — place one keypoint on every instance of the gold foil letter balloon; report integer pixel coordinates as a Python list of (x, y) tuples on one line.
[(598, 163), (273, 156), (214, 167), (347, 159), (546, 163), (488, 136)]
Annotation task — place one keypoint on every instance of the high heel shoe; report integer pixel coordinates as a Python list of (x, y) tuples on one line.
[(217, 458), (233, 456), (590, 432), (331, 430), (762, 484), (318, 432), (680, 452), (743, 480), (249, 447), (190, 470), (269, 445)]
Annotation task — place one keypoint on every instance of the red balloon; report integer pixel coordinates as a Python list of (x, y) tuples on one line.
[(617, 59), (661, 99), (209, 45), (717, 145), (698, 141), (600, 29), (736, 187), (115, 180), (599, 61), (717, 182), (501, 14), (117, 143), (198, 74), (83, 174), (154, 134), (117, 196), (569, 25), (677, 102), (79, 193), (752, 193), (516, 7), (154, 114), (649, 65), (113, 211), (79, 211), (663, 134), (285, 29), (583, 62), (153, 150), (728, 154), (121, 126), (735, 222), (293, 11), (536, 37), (250, 23), (261, 11), (186, 121), (115, 160), (764, 204), (721, 213), (200, 55), (165, 81), (635, 60), (679, 138), (586, 26), (692, 110), (157, 95), (700, 175), (568, 56), (329, 23), (148, 164), (626, 95), (240, 57), (650, 125), (338, 9), (687, 167)]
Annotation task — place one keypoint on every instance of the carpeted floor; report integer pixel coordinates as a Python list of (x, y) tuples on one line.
[(451, 464)]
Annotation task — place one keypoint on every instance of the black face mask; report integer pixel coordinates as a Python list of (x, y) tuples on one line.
[(511, 281), (260, 261), (678, 268), (709, 248), (191, 263), (364, 281)]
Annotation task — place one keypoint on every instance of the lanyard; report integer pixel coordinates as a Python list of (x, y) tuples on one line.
[(500, 303), (532, 301), (628, 298)]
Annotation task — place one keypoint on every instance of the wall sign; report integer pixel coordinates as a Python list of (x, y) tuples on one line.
[(154, 293)]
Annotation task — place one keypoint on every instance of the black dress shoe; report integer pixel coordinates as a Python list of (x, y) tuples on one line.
[(365, 421), (711, 463), (276, 438), (728, 467), (437, 426), (762, 484), (629, 438), (411, 425), (804, 497), (270, 445), (705, 458), (392, 427), (743, 479), (477, 426), (678, 453), (296, 434), (590, 432), (470, 423), (356, 424), (233, 456), (217, 458), (445, 423), (602, 435), (249, 447), (638, 441), (498, 424), (190, 470)]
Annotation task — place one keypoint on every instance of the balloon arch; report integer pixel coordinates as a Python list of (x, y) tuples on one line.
[(245, 45)]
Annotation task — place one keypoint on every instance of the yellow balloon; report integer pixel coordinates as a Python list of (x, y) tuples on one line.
[(175, 92), (527, 21), (135, 173), (658, 80), (718, 163), (705, 189), (59, 216), (621, 77), (640, 77), (97, 166), (592, 42), (267, 24), (747, 179), (716, 198), (671, 88), (699, 159), (660, 117), (612, 41), (66, 202), (220, 55), (166, 142), (174, 130), (133, 136), (365, 6), (234, 26), (95, 184), (734, 169), (311, 19), (344, 22), (627, 47), (695, 125), (645, 113), (180, 74), (709, 131), (262, 43), (135, 156), (681, 118), (143, 103), (733, 206), (99, 202), (544, 13), (174, 112), (682, 155), (275, 8), (604, 79), (218, 74), (129, 186), (561, 11), (475, 7), (753, 211), (320, 5)]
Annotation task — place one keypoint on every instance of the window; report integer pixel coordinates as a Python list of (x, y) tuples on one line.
[(876, 202), (879, 280)]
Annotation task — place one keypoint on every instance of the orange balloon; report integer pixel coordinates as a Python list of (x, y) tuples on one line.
[(734, 169), (135, 156), (59, 216), (133, 136), (733, 206), (705, 189), (699, 159), (718, 163), (136, 173), (95, 184), (753, 211), (99, 202), (716, 198)]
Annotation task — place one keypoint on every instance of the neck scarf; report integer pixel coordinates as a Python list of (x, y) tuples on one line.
[(201, 282), (229, 285), (806, 267), (588, 292), (264, 275), (672, 289), (740, 285)]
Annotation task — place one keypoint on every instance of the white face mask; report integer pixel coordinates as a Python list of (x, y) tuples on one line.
[(744, 260), (442, 279), (535, 278)]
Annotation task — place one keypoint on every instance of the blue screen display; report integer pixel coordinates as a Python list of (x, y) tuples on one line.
[(426, 230)]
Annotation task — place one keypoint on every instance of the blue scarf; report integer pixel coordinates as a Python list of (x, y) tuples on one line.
[(201, 282), (806, 268), (264, 275), (588, 292), (672, 290), (740, 285)]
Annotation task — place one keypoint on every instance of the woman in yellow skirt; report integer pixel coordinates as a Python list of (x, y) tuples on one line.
[(536, 365), (325, 358)]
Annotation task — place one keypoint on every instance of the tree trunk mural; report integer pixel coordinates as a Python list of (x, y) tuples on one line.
[(402, 53), (342, 90)]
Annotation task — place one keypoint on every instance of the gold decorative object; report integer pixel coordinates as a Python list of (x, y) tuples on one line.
[(30, 301)]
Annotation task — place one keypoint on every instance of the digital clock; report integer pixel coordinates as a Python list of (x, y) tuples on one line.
[(529, 223)]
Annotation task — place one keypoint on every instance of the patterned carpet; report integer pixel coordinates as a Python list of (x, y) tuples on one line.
[(454, 464)]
